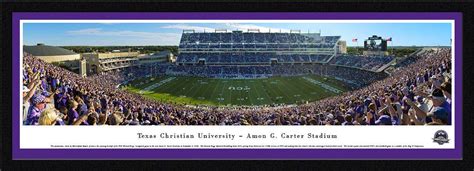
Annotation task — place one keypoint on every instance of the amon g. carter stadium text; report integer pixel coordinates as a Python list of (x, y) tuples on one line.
[(288, 136), (309, 135)]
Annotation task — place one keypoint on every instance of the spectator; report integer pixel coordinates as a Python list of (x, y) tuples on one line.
[(38, 105), (446, 88), (72, 112), (50, 117), (439, 116), (347, 120)]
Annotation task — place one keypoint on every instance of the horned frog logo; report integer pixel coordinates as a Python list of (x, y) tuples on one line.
[(441, 137)]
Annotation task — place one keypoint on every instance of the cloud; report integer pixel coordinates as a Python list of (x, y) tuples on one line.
[(85, 31), (107, 37), (109, 23), (160, 38), (187, 27), (245, 27)]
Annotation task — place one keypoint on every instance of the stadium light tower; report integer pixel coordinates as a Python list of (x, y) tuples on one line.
[(220, 30), (253, 30), (188, 31)]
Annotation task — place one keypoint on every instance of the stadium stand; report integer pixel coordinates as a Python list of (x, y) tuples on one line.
[(371, 63), (242, 48), (248, 48), (399, 99)]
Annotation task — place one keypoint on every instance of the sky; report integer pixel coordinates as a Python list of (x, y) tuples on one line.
[(141, 34)]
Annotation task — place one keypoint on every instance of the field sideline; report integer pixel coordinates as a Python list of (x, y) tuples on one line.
[(242, 92)]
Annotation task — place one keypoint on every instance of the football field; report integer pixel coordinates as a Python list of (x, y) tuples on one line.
[(247, 92)]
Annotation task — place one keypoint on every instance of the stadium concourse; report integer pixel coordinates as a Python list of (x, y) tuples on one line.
[(417, 91)]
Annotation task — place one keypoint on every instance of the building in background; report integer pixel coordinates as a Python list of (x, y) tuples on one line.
[(341, 47), (55, 55), (83, 67), (111, 61), (160, 57)]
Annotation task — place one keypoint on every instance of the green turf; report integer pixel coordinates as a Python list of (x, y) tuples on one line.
[(209, 91)]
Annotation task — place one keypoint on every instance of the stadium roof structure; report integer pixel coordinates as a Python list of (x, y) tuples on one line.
[(162, 54), (248, 31), (45, 50)]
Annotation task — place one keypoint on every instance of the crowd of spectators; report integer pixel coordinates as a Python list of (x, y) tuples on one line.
[(419, 93), (371, 63), (355, 78), (250, 58), (254, 48)]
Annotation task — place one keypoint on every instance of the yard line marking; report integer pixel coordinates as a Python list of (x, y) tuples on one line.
[(325, 86), (158, 84)]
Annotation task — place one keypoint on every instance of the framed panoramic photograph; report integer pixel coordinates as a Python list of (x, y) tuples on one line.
[(237, 85)]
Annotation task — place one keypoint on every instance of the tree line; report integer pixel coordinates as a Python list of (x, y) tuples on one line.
[(397, 52), (103, 49)]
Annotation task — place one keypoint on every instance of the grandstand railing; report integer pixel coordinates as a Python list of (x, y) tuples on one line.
[(382, 68)]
